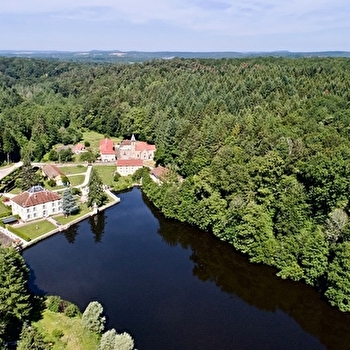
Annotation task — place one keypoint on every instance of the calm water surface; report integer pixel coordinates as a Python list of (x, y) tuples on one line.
[(174, 287)]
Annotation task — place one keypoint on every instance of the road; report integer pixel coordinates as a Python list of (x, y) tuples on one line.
[(5, 171)]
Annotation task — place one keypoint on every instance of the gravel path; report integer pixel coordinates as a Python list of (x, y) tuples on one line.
[(5, 240)]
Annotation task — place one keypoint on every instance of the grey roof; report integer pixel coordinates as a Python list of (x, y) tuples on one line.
[(35, 189)]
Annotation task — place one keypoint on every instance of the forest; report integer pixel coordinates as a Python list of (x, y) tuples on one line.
[(258, 149)]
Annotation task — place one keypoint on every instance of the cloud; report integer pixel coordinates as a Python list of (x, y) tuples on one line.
[(224, 18), (87, 13)]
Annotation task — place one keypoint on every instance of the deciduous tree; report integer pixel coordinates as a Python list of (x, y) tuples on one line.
[(93, 318)]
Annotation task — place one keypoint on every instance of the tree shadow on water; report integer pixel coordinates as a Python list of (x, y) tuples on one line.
[(71, 233), (97, 225)]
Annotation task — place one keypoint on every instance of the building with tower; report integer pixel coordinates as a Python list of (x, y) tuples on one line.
[(132, 149)]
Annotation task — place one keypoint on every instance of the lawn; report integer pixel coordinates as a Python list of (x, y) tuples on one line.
[(53, 188), (106, 173), (16, 190), (65, 220), (34, 230), (123, 183), (4, 209), (75, 336), (76, 180), (94, 139), (73, 170)]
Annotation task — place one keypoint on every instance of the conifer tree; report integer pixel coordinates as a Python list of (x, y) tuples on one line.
[(15, 305), (28, 176), (69, 204), (31, 338), (96, 193)]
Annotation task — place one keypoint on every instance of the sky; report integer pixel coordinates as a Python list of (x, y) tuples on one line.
[(175, 25)]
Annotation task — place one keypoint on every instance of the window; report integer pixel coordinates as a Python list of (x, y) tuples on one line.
[(44, 206)]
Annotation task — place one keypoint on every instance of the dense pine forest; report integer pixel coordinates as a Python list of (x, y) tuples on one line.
[(258, 149)]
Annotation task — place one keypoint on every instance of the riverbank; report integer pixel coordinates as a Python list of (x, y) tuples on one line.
[(10, 237)]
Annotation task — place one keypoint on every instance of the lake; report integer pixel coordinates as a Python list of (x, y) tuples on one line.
[(172, 286)]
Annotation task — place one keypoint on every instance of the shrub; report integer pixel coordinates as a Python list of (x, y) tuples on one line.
[(53, 303), (57, 333), (51, 183), (71, 310), (76, 191), (65, 180)]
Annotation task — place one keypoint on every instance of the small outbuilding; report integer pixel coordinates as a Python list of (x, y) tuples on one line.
[(53, 173), (9, 220)]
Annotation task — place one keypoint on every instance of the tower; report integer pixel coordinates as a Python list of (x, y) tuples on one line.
[(133, 144)]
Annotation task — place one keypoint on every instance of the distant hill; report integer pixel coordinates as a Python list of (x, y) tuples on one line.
[(139, 56)]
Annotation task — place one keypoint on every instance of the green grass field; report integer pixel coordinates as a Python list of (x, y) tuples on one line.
[(123, 183), (65, 220), (4, 208), (94, 139), (35, 229), (75, 336), (106, 173), (15, 190), (76, 180), (72, 170)]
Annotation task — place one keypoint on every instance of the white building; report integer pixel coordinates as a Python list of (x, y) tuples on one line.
[(107, 150), (36, 203), (128, 166)]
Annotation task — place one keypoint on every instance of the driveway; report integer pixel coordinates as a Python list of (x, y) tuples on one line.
[(5, 171)]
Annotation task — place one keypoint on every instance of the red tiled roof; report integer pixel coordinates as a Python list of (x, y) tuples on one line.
[(52, 171), (107, 146), (144, 146), (129, 162), (159, 172), (78, 147), (27, 199), (125, 143)]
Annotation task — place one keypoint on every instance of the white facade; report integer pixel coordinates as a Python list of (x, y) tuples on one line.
[(36, 203), (37, 211), (126, 170), (107, 157)]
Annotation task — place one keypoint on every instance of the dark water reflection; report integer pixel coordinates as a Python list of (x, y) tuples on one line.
[(174, 287)]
